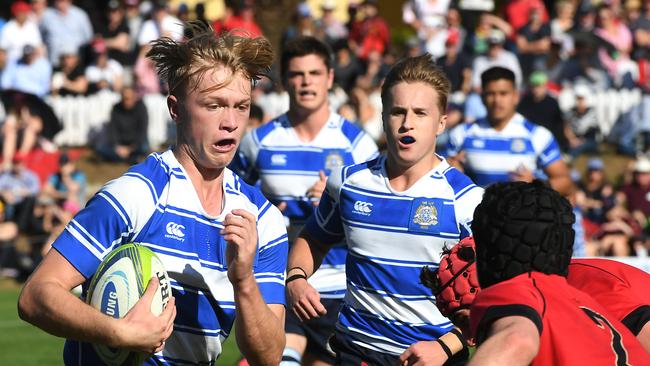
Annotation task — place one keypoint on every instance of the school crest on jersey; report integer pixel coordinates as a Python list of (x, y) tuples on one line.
[(517, 145), (334, 160), (426, 215)]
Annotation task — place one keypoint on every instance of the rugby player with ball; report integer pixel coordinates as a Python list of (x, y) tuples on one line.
[(222, 243)]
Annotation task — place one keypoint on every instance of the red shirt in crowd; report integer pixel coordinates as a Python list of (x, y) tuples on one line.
[(574, 329), (618, 287), (517, 13)]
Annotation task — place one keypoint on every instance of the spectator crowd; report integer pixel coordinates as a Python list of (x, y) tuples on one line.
[(579, 47)]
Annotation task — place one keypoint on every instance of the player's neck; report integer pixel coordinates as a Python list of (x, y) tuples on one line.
[(401, 176), (308, 124), (500, 124), (207, 182)]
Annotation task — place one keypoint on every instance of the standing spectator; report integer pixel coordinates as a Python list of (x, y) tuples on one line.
[(104, 73), (370, 34), (134, 21), (561, 25), (71, 80), (29, 74), (346, 66), (533, 42), (64, 27), (126, 131), (496, 56), (428, 19), (541, 108), (636, 195), (19, 32), (517, 13), (505, 146), (582, 128), (116, 34), (292, 156)]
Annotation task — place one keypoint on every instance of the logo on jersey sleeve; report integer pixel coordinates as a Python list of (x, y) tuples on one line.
[(175, 231), (426, 214), (362, 208)]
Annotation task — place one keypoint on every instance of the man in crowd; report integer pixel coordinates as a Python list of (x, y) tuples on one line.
[(396, 213), (291, 156), (227, 255)]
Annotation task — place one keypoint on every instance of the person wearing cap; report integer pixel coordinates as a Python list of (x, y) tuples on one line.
[(116, 34), (19, 32), (328, 27), (496, 55), (635, 195), (31, 73), (65, 26), (540, 107), (104, 73), (582, 128), (526, 312)]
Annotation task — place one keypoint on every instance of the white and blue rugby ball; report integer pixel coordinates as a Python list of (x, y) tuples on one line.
[(118, 284)]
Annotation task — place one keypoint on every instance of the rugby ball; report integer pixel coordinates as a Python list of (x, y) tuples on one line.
[(118, 283)]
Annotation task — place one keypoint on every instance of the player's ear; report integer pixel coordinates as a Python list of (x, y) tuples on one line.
[(173, 105), (442, 123)]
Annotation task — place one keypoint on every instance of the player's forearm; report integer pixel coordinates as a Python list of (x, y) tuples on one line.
[(260, 333), (306, 253), (512, 341), (562, 184), (60, 313)]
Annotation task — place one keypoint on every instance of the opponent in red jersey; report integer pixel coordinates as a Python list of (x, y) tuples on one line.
[(527, 313), (619, 288)]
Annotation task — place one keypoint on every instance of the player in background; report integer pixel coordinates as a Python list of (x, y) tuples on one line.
[(618, 287), (223, 244), (292, 156), (395, 213), (527, 313), (505, 146)]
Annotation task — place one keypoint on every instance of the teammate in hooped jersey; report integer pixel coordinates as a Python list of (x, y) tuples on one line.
[(527, 313), (396, 213), (222, 243), (291, 156)]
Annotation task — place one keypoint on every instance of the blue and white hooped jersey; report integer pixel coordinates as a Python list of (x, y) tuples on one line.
[(287, 167), (491, 155), (391, 236), (156, 205)]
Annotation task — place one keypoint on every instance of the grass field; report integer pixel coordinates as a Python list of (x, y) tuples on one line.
[(23, 344)]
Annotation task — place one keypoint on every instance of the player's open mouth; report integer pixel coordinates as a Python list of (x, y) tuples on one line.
[(407, 140), (225, 145), (307, 93)]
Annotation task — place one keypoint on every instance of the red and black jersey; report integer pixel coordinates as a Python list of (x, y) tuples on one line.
[(574, 329), (622, 289)]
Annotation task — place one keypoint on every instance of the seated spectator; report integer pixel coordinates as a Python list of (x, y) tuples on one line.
[(636, 195), (116, 34), (126, 130), (328, 27), (616, 44), (161, 24), (8, 234), (241, 19), (631, 131), (71, 80), (64, 195), (561, 25), (456, 65), (19, 187), (371, 34), (538, 106), (582, 126), (20, 31), (30, 74), (105, 73)]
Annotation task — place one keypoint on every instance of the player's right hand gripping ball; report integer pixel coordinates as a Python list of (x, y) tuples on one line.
[(455, 283)]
